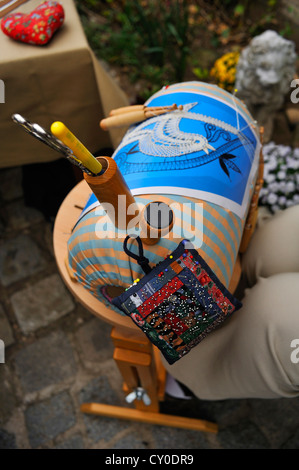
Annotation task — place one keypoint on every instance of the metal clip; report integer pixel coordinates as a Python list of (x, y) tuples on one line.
[(138, 393), (49, 139)]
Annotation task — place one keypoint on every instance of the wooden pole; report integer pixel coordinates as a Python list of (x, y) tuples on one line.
[(112, 192)]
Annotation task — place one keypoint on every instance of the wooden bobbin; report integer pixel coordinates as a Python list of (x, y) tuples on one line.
[(127, 116), (112, 192)]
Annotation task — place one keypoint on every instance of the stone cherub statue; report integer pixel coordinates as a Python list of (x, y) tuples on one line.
[(264, 73)]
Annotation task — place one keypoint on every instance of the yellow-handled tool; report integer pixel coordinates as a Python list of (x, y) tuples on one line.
[(80, 151)]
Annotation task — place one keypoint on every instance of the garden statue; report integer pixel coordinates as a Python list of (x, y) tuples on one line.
[(264, 72)]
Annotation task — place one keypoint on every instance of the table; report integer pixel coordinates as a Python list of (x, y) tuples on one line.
[(61, 81)]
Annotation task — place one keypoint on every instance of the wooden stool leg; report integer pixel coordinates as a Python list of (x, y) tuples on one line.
[(138, 371), (140, 366), (149, 417), (134, 357)]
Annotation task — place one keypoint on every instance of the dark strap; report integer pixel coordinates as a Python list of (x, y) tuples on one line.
[(140, 258)]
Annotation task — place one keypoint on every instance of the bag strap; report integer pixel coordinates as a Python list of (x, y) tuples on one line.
[(140, 258)]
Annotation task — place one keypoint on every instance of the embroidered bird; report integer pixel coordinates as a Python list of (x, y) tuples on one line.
[(162, 137)]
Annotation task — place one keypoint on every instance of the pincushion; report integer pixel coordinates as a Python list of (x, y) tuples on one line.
[(37, 27)]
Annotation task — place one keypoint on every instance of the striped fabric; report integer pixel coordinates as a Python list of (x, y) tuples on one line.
[(97, 258)]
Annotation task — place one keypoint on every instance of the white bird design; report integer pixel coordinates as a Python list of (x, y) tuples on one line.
[(161, 136)]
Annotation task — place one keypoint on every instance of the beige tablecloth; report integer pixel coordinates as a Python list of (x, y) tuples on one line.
[(60, 81)]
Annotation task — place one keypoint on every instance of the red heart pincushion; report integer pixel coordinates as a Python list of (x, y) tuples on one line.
[(37, 27)]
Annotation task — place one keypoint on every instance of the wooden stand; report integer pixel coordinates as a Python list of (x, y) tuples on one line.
[(252, 216), (138, 361), (140, 366)]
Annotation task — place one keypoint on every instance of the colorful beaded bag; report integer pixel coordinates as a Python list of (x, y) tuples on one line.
[(178, 302)]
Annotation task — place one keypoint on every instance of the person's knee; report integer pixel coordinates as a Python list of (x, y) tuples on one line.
[(271, 308), (274, 247), (275, 297)]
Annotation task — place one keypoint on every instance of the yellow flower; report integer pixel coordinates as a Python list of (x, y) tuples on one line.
[(224, 70)]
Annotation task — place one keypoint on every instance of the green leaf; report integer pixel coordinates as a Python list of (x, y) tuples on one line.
[(200, 73), (174, 32), (151, 50), (239, 10), (225, 33)]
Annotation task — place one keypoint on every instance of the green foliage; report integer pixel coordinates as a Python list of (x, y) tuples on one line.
[(149, 37), (201, 73), (158, 42), (91, 3), (287, 31), (239, 10)]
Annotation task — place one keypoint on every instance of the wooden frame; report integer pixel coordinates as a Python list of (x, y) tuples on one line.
[(251, 219)]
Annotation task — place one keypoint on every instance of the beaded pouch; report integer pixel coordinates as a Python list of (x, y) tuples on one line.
[(178, 302)]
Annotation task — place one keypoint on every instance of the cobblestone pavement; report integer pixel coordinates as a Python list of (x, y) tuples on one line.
[(58, 356)]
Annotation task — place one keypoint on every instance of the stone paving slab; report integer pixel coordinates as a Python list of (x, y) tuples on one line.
[(132, 440), (42, 303), (99, 428), (11, 183), (7, 440), (47, 419), (74, 442), (47, 361), (293, 442), (20, 216), (8, 399), (244, 435), (94, 342), (174, 438), (20, 257), (270, 414), (6, 333)]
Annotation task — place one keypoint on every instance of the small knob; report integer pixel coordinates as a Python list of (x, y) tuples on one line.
[(156, 221), (158, 215)]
